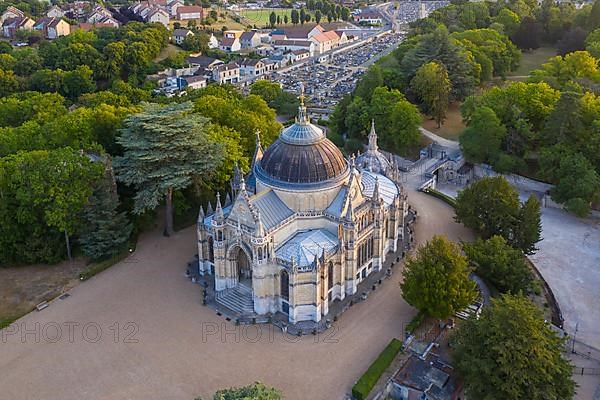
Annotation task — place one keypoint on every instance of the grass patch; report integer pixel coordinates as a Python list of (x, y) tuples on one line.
[(533, 60), (4, 322), (261, 17), (365, 384), (453, 125), (444, 197)]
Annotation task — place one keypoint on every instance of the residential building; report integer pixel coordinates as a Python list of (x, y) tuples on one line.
[(233, 33), (226, 73), (213, 43), (179, 35), (98, 15), (77, 10), (264, 50), (230, 44), (11, 12), (369, 17), (325, 41), (203, 62), (300, 55), (193, 82), (55, 12), (250, 40), (158, 15), (251, 67), (173, 6), (52, 28), (189, 12), (14, 24)]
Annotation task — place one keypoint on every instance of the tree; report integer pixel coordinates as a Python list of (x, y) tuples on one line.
[(285, 19), (44, 192), (529, 34), (295, 17), (258, 391), (345, 14), (499, 263), (318, 16), (593, 21), (165, 149), (436, 280), (369, 82), (432, 86), (573, 40), (8, 83), (105, 230), (510, 352), (578, 183), (491, 207), (197, 42), (302, 15), (509, 20), (483, 136), (272, 19)]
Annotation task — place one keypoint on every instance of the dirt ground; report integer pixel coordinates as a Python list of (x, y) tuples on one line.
[(22, 288), (452, 127)]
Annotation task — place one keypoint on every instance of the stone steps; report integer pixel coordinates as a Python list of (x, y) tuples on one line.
[(238, 299)]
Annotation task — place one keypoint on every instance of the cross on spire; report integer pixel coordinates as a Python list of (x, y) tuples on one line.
[(373, 137)]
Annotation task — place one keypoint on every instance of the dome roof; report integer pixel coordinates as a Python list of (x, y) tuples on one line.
[(302, 155)]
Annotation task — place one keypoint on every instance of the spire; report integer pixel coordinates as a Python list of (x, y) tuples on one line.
[(258, 151), (349, 212), (260, 228), (201, 214), (316, 260), (376, 197), (302, 118), (219, 211), (372, 137), (209, 209), (235, 180), (243, 186), (227, 199)]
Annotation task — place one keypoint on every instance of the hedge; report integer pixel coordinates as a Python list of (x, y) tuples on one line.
[(365, 384), (441, 196), (415, 322)]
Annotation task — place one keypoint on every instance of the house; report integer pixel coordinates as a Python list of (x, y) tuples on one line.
[(213, 43), (158, 15), (203, 62), (173, 6), (291, 45), (230, 44), (250, 40), (55, 12), (233, 33), (76, 10), (303, 32), (98, 14), (11, 12), (193, 82), (264, 50), (301, 55), (270, 65), (251, 67), (367, 17), (14, 24), (226, 73), (52, 28), (179, 35), (189, 12), (426, 379)]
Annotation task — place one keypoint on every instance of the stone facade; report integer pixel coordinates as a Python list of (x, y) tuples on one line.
[(300, 245)]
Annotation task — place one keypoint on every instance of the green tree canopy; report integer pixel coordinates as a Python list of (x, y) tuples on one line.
[(436, 280), (165, 149), (432, 86), (257, 391), (499, 263), (510, 352)]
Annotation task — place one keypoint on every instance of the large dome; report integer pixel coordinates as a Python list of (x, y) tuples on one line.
[(302, 155)]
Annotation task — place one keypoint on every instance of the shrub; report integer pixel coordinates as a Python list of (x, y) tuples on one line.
[(365, 384)]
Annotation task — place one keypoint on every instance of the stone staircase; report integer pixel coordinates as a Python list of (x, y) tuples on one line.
[(238, 299)]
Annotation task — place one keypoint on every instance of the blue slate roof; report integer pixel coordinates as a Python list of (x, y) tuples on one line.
[(387, 189), (337, 205), (304, 246), (272, 210)]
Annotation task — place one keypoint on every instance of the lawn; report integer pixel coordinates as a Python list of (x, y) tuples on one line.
[(170, 50), (260, 17), (533, 60), (452, 127)]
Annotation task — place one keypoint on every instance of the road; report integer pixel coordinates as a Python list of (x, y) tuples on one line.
[(172, 359)]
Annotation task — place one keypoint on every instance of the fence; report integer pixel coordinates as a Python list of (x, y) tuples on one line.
[(583, 350), (586, 371)]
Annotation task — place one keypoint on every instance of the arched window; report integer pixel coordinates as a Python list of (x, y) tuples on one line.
[(330, 276), (260, 253), (211, 252), (219, 235), (285, 285)]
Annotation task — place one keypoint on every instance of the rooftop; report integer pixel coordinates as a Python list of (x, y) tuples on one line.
[(303, 247)]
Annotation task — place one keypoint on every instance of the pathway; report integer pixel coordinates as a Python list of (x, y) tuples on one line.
[(440, 140)]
